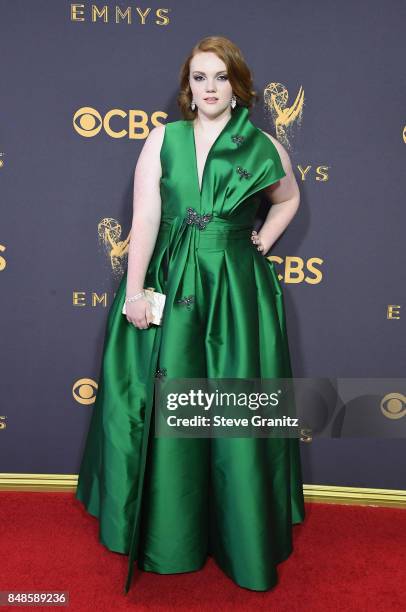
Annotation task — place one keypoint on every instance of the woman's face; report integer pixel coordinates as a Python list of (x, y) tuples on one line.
[(208, 79)]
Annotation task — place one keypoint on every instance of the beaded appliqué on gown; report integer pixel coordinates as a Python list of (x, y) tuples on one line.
[(237, 139), (243, 172), (193, 217), (187, 300), (160, 373)]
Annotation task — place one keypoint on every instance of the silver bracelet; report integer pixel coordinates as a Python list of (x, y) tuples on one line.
[(135, 297)]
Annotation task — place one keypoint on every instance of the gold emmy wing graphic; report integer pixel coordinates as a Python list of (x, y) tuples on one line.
[(109, 232), (284, 117)]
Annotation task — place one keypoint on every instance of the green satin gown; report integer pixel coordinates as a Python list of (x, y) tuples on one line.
[(170, 502)]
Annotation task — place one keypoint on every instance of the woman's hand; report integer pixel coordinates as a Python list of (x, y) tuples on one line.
[(258, 242), (139, 313)]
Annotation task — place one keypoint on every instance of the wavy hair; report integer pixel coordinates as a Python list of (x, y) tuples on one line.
[(239, 74)]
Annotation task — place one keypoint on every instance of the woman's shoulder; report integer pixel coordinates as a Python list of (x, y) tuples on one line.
[(178, 124), (157, 133), (174, 124)]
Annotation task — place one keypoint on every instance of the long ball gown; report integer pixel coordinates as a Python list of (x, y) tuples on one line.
[(170, 502)]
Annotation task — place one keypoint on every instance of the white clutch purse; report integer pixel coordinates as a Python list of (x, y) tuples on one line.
[(157, 303)]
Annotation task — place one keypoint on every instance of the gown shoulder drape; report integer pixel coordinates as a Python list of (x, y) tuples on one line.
[(170, 502)]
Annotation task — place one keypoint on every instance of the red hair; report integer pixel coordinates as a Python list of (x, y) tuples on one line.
[(239, 74)]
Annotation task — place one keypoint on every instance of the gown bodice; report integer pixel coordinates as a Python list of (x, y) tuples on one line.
[(241, 162)]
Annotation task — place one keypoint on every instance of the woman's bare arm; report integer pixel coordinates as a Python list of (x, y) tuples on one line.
[(285, 198), (146, 210)]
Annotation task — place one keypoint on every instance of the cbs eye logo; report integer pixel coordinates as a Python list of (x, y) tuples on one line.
[(87, 121), (393, 405), (84, 391)]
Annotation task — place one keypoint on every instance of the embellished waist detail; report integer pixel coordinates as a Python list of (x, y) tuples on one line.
[(194, 230), (207, 223)]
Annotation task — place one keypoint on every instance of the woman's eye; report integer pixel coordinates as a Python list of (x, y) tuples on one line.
[(198, 77)]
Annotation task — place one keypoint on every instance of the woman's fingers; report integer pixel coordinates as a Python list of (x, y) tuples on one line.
[(256, 240), (144, 322)]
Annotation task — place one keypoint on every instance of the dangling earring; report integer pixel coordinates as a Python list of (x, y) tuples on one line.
[(233, 101), (192, 105)]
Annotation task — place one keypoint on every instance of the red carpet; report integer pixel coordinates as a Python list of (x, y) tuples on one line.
[(345, 558)]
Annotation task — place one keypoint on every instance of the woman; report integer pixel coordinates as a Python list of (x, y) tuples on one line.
[(166, 502)]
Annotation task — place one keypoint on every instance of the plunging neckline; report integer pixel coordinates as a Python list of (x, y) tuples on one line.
[(200, 185)]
